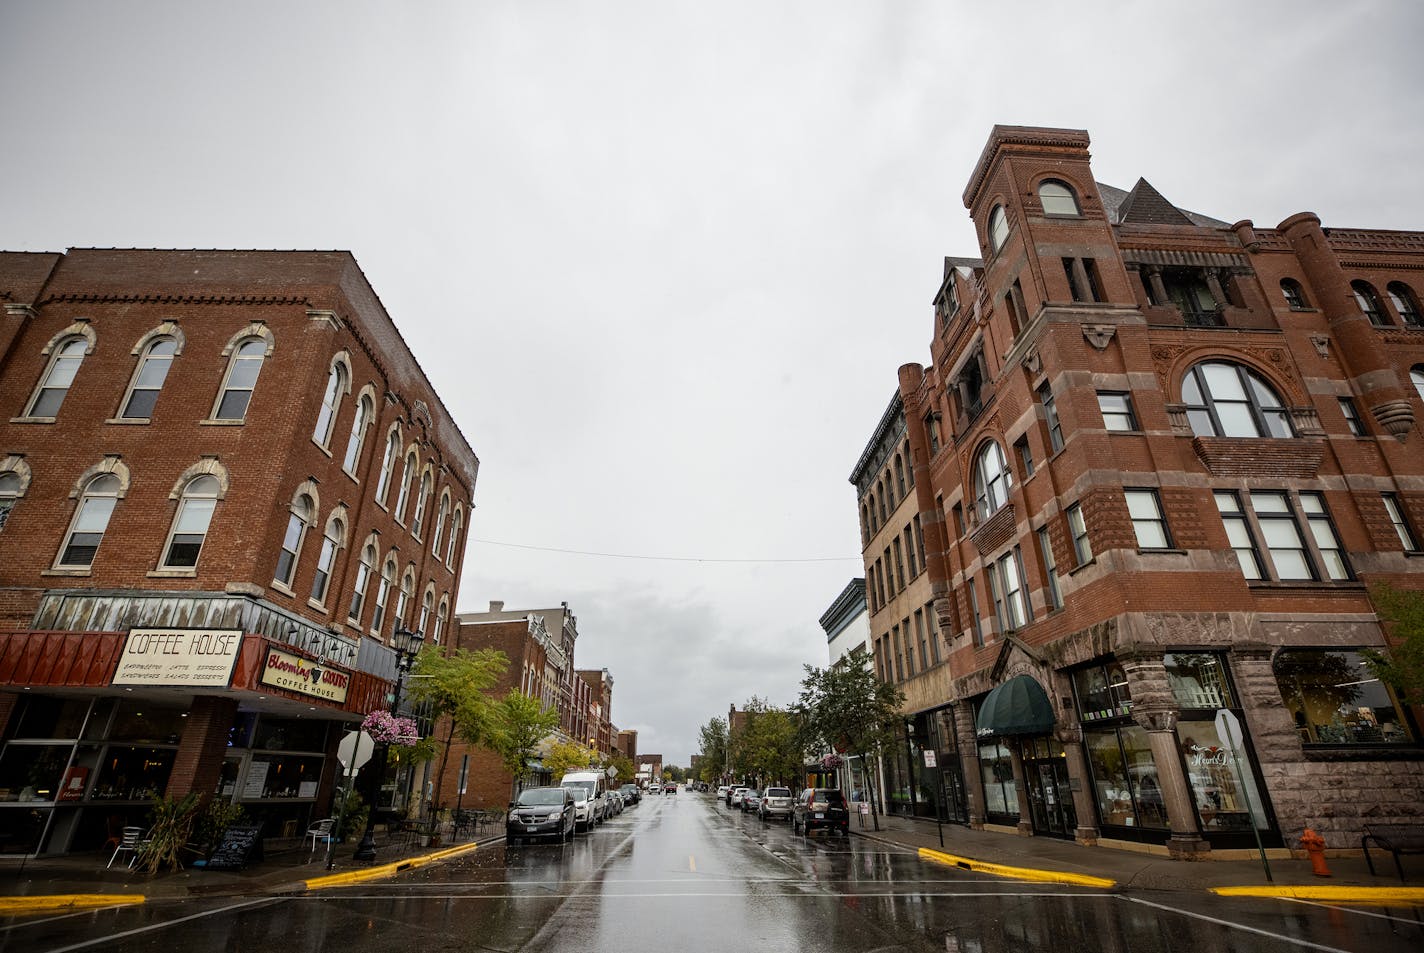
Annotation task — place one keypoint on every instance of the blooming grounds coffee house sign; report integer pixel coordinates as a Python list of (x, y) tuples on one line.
[(296, 674), (184, 657)]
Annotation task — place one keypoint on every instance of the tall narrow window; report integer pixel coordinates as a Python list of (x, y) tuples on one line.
[(932, 432), (441, 614), (1025, 456), (330, 401), (1369, 302), (359, 424), (1293, 293), (1405, 302), (422, 498), (453, 548), (1351, 413), (364, 568), (1284, 543), (383, 594), (190, 526), (1317, 518), (403, 597), (241, 380), (10, 491), (407, 481), (427, 608), (1078, 529), (326, 560), (1050, 569), (297, 523), (1145, 509), (1050, 416), (148, 379), (57, 378), (388, 465), (909, 537), (1401, 525), (975, 625), (439, 523), (1238, 532), (91, 519), (998, 228), (992, 480)]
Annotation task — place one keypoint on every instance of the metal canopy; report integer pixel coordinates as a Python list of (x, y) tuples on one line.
[(1017, 707)]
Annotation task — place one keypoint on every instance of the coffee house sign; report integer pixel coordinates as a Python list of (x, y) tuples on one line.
[(304, 676), (182, 657)]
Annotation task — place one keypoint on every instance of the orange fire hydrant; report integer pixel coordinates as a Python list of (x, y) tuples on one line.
[(1314, 845)]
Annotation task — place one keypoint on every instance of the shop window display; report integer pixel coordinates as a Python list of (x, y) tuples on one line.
[(1198, 680), (1125, 781), (996, 765), (1223, 804), (1102, 692), (1334, 699)]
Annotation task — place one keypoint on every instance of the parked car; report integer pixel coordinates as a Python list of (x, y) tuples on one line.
[(615, 802), (820, 807), (631, 794), (670, 787), (734, 799), (541, 812), (776, 802), (591, 783), (722, 791), (751, 800)]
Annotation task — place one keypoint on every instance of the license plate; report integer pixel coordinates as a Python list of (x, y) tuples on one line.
[(820, 816)]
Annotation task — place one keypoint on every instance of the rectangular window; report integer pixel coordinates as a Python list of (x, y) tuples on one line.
[(899, 654), (1323, 532), (1078, 529), (899, 566), (1050, 416), (1075, 287), (1095, 281), (1050, 569), (1198, 679), (910, 551), (974, 624), (919, 540), (932, 629), (1351, 413), (880, 581), (1117, 411), (1009, 604), (1277, 518), (932, 432), (1401, 525), (959, 519), (1334, 699), (1025, 456), (1147, 521), (1284, 542), (910, 645)]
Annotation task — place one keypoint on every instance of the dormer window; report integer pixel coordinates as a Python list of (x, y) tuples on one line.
[(1058, 198)]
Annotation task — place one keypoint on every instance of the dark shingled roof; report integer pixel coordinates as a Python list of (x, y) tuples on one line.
[(1144, 205)]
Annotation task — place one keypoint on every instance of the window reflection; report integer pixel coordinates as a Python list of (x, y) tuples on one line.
[(1198, 679), (1335, 700)]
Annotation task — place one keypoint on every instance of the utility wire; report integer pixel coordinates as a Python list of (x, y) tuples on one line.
[(668, 559)]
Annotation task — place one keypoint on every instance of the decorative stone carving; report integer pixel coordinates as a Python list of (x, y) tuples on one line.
[(1395, 416), (1322, 344), (1032, 361), (1098, 335)]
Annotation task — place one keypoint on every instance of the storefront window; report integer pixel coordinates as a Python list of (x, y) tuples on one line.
[(40, 716), (1125, 782), (146, 722), (282, 776), (1102, 692), (1335, 700), (290, 734), (1215, 779), (132, 773), (1198, 679), (32, 772), (996, 765)]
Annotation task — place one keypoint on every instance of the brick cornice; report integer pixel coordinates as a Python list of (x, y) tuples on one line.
[(75, 297)]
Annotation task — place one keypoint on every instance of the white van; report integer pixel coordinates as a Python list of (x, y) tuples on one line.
[(592, 809)]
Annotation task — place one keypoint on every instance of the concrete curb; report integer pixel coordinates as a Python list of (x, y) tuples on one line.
[(10, 906), (385, 870), (1018, 873), (1371, 895)]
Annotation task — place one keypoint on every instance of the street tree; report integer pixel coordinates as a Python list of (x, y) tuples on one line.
[(768, 746), (518, 724), (846, 708), (456, 687), (566, 756), (1402, 611), (627, 771), (713, 737)]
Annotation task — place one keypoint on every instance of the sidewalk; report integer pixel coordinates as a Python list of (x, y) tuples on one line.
[(289, 865), (1130, 869)]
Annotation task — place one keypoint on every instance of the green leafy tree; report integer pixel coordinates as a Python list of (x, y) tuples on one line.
[(566, 756), (847, 708), (518, 724), (768, 746), (713, 737), (627, 771), (1402, 611), (456, 686)]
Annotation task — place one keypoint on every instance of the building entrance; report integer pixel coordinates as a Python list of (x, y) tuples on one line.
[(1050, 799)]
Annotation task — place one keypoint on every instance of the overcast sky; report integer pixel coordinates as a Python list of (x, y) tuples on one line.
[(661, 260)]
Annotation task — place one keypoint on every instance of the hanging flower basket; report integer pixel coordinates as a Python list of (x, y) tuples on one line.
[(831, 761), (388, 729)]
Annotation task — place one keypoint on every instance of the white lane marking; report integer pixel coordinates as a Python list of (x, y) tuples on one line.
[(1238, 926), (1363, 913), (164, 925), (683, 895)]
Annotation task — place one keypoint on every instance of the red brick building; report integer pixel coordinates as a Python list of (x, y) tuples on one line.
[(1157, 459), (224, 481)]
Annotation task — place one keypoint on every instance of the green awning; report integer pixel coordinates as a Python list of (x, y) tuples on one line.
[(1017, 707)]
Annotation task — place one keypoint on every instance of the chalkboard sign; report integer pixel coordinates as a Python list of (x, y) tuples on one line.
[(240, 846)]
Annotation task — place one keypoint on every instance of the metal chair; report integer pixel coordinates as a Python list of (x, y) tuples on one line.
[(319, 832), (128, 841)]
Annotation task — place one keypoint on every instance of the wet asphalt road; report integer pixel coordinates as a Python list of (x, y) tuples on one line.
[(683, 874)]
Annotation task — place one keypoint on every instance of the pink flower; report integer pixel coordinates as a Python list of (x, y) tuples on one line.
[(389, 729)]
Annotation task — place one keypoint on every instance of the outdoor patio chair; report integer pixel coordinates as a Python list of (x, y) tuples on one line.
[(319, 832), (128, 841)]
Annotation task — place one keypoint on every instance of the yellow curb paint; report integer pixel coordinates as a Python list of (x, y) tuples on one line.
[(1018, 873), (385, 870), (1411, 895), (691, 863), (36, 904)]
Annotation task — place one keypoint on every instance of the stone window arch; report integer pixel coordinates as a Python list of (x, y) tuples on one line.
[(1226, 399), (992, 479)]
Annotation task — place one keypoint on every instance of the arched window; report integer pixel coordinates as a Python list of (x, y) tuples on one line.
[(407, 479), (303, 511), (91, 519), (407, 590), (1228, 400), (330, 402), (14, 481), (1406, 303), (899, 476), (421, 499), (1058, 198), (874, 520), (1294, 294), (454, 537), (1369, 303), (1416, 374), (365, 409), (383, 592), (388, 464), (441, 615), (427, 608), (190, 523), (331, 541), (148, 379), (58, 377), (440, 523), (992, 480), (364, 568), (998, 228), (241, 379)]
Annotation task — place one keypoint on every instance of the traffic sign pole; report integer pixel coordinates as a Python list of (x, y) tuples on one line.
[(1228, 727)]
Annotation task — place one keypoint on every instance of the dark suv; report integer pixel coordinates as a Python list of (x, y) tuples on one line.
[(820, 807)]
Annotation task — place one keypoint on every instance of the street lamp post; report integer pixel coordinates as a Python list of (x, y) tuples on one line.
[(407, 646)]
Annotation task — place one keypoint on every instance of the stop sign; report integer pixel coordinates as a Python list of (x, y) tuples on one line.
[(355, 750)]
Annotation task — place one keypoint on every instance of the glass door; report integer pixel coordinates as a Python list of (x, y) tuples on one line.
[(1049, 797)]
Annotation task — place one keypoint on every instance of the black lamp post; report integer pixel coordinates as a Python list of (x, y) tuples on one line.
[(407, 646)]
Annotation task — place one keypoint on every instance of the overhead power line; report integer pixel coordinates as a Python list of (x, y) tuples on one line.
[(666, 559)]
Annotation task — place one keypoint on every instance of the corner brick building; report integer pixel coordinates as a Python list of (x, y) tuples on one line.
[(224, 481), (1157, 459)]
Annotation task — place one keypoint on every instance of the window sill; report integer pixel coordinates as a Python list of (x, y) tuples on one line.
[(282, 588), (66, 572), (173, 573), (211, 422), (33, 420), (1304, 584), (323, 448), (130, 421), (1081, 566), (1134, 432), (315, 604), (1168, 551), (354, 478), (1413, 553)]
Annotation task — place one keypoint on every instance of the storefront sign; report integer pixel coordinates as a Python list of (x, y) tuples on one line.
[(296, 674), (929, 758), (188, 657)]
